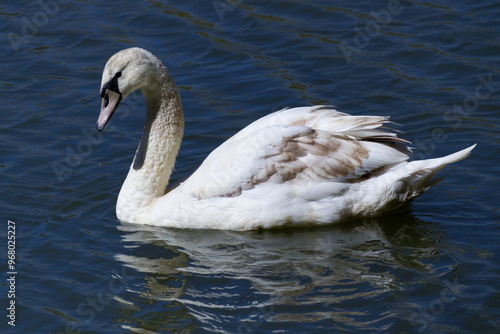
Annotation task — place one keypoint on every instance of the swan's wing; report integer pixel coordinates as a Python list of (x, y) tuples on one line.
[(295, 155)]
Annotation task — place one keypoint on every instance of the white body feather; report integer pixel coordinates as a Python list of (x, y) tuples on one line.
[(211, 197)]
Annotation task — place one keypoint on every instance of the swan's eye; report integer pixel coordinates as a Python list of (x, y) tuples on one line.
[(118, 74)]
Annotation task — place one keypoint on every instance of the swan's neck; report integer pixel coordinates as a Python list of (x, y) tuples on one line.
[(154, 160)]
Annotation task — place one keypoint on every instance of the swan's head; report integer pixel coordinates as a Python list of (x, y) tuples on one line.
[(126, 71)]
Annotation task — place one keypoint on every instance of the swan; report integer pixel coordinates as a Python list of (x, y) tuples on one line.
[(295, 167)]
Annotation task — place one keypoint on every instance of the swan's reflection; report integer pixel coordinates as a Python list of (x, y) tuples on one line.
[(321, 274)]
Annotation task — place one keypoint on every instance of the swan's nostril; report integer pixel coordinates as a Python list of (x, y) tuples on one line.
[(106, 100)]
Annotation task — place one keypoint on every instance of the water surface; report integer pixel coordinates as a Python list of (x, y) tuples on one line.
[(433, 67)]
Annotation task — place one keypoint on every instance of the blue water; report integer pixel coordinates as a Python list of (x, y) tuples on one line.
[(432, 66)]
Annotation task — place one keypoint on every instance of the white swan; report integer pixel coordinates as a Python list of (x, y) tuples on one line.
[(299, 166)]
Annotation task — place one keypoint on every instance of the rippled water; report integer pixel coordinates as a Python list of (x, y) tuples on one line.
[(432, 66)]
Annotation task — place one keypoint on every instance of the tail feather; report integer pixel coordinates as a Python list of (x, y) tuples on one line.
[(422, 171), (439, 163)]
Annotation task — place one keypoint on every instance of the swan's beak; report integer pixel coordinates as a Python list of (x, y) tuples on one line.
[(108, 106)]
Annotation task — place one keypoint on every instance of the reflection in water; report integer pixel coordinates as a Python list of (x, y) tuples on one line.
[(287, 276)]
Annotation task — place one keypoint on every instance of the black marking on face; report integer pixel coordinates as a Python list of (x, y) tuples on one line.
[(112, 85)]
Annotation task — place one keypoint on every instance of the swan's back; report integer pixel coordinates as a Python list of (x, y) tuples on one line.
[(307, 144)]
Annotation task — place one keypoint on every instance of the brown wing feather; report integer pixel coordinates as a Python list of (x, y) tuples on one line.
[(310, 154)]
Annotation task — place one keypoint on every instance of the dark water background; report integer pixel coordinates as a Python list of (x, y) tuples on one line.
[(433, 66)]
